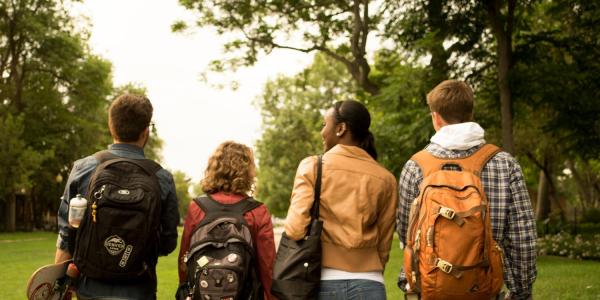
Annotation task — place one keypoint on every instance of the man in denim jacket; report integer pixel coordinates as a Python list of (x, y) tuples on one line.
[(129, 122)]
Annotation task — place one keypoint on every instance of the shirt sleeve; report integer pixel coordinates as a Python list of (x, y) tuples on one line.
[(265, 248), (301, 201), (520, 242), (169, 218), (193, 217), (76, 184), (408, 190)]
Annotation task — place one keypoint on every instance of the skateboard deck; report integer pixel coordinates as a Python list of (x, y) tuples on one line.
[(49, 282)]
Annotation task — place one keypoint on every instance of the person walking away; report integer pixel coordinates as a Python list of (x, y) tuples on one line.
[(129, 214), (446, 178), (227, 247), (358, 201)]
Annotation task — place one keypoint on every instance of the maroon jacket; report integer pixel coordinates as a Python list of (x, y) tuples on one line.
[(261, 228)]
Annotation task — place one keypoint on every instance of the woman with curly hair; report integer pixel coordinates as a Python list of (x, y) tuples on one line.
[(228, 179)]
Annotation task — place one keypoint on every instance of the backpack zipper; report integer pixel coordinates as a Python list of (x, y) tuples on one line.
[(97, 196)]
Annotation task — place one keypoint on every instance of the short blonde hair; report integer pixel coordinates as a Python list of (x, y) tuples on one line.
[(230, 169), (453, 100)]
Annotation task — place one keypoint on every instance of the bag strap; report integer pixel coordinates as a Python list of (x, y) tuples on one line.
[(106, 157), (473, 163), (479, 159), (212, 206), (314, 210)]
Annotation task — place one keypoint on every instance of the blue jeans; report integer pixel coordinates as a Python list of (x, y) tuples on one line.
[(354, 289)]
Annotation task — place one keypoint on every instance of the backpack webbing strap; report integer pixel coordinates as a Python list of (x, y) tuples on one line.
[(211, 206), (314, 211), (474, 163), (150, 166)]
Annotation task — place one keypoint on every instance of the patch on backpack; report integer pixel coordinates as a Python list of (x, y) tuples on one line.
[(114, 244), (125, 257)]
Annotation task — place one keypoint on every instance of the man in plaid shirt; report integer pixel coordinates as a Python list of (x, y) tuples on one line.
[(513, 224)]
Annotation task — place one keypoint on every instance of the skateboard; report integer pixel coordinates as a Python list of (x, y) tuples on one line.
[(49, 282)]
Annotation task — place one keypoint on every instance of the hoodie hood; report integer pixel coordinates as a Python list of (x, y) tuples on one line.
[(461, 136)]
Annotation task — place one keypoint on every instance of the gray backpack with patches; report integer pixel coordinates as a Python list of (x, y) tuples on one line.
[(220, 262)]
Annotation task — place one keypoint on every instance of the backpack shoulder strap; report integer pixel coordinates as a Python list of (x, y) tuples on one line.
[(249, 204), (210, 205), (477, 161), (427, 162), (473, 163), (148, 165), (104, 156)]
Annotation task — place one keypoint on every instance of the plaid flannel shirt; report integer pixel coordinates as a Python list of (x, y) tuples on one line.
[(512, 219)]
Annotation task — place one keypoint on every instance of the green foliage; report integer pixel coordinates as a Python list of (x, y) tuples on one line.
[(591, 215), (338, 29), (19, 161), (400, 117), (53, 102), (292, 118), (182, 189)]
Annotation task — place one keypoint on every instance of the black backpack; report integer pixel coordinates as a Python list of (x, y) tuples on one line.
[(220, 261), (118, 236)]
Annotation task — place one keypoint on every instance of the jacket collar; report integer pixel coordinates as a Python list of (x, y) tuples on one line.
[(128, 148), (350, 151)]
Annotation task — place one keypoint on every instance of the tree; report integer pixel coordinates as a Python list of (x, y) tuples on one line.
[(292, 108), (57, 92), (182, 189), (338, 29), (19, 162)]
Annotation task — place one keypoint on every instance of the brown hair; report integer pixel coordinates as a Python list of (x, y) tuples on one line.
[(229, 169), (453, 100), (128, 116)]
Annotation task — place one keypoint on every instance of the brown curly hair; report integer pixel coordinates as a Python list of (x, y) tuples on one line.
[(230, 169)]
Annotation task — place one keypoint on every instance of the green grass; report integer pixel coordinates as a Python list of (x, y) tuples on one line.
[(23, 253)]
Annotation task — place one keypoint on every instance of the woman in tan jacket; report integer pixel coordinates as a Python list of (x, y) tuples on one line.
[(358, 203)]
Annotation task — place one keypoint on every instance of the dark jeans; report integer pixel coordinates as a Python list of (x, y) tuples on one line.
[(354, 289)]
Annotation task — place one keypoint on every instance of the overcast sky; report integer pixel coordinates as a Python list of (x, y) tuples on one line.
[(191, 117)]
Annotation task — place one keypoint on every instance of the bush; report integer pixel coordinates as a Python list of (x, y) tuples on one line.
[(565, 244), (591, 215)]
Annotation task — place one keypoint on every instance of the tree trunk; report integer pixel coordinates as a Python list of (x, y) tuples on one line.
[(543, 199), (504, 61), (10, 224), (28, 213), (584, 189), (439, 56), (502, 27)]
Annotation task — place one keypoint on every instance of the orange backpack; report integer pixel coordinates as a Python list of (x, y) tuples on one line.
[(450, 252)]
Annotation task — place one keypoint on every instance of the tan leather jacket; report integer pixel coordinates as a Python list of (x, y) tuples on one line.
[(358, 203)]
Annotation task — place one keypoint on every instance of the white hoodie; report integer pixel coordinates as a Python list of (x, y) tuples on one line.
[(461, 136)]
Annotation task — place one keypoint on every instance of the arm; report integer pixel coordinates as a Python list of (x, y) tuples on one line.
[(265, 248), (408, 190), (385, 221), (76, 184), (193, 217), (169, 218), (301, 201), (520, 242)]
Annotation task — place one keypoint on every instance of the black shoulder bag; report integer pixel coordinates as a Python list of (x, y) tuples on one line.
[(297, 268)]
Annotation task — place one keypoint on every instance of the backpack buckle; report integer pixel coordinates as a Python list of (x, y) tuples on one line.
[(447, 213), (443, 265)]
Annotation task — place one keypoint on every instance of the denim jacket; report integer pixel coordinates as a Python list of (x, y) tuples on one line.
[(77, 183)]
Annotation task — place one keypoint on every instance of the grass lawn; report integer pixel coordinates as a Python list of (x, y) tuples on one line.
[(23, 253)]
